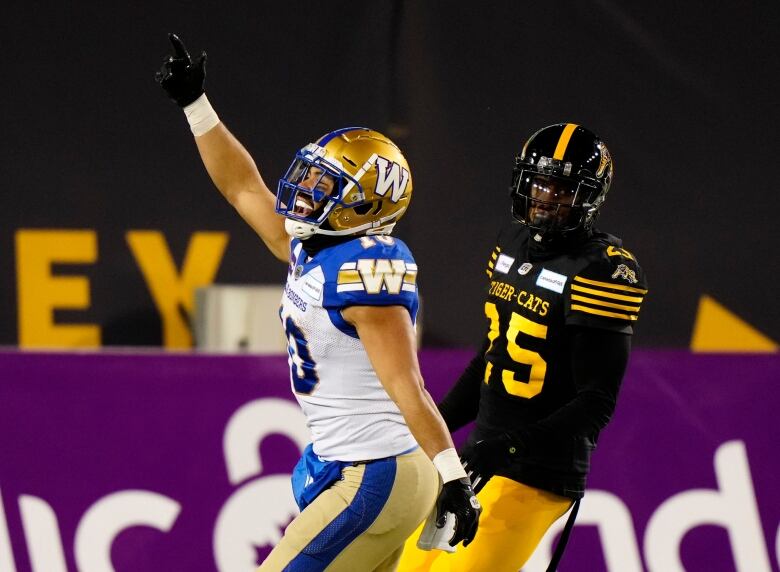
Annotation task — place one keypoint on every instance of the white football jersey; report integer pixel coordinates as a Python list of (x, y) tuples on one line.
[(349, 413)]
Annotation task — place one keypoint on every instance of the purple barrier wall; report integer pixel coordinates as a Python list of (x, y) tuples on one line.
[(159, 462)]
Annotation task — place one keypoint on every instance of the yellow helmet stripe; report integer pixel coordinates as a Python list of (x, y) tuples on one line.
[(563, 142)]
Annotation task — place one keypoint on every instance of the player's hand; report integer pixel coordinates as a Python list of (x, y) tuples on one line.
[(181, 78), (488, 456), (458, 498)]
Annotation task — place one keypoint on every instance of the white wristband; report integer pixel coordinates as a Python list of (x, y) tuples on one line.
[(201, 116), (448, 464)]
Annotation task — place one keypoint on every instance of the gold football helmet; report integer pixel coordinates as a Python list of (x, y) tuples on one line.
[(351, 181)]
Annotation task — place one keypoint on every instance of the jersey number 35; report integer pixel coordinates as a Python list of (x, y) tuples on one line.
[(518, 324)]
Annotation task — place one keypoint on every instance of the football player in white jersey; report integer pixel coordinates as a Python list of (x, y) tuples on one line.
[(348, 309)]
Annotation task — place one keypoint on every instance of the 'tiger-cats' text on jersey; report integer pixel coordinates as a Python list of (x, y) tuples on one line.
[(349, 413)]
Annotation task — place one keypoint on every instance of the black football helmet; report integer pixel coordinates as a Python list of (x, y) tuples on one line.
[(560, 180)]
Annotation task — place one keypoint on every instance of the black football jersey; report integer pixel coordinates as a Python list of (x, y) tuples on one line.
[(531, 307)]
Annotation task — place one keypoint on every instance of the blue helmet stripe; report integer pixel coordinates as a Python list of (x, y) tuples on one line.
[(333, 134)]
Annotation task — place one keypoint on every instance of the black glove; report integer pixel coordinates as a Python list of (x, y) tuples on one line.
[(458, 498), (181, 78), (488, 456)]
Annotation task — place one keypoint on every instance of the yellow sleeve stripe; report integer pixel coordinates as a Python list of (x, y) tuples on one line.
[(410, 277), (609, 285), (488, 369), (605, 304), (491, 264), (602, 312), (634, 299), (349, 277)]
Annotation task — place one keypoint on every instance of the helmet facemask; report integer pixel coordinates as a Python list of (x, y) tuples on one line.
[(553, 204), (353, 181), (311, 189)]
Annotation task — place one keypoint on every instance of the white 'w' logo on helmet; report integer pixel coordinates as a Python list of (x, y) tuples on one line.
[(390, 174)]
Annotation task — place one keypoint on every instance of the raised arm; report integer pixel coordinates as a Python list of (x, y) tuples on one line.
[(235, 174), (228, 163), (388, 336)]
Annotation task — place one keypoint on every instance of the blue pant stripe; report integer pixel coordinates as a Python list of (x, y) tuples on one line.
[(375, 488)]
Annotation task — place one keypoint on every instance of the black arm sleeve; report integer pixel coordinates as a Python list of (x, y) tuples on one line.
[(599, 359), (461, 403)]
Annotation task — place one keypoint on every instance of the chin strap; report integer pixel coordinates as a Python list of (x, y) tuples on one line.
[(304, 230), (299, 229)]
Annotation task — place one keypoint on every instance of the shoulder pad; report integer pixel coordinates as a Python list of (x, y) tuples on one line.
[(609, 291), (606, 238), (374, 270)]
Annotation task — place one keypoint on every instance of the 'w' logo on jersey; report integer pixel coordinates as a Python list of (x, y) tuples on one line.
[(373, 276), (376, 273), (390, 174)]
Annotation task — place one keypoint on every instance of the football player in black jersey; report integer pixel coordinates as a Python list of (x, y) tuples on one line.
[(562, 302)]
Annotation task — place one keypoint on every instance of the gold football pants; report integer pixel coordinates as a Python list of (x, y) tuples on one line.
[(359, 523), (514, 519)]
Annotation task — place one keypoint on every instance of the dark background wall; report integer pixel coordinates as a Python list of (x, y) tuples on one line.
[(684, 93)]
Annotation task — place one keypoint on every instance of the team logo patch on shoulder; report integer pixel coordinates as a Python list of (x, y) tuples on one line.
[(551, 280), (377, 275), (623, 271), (504, 263), (525, 268)]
